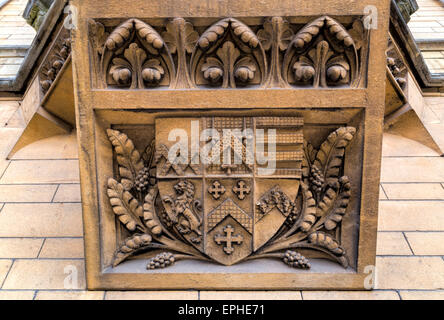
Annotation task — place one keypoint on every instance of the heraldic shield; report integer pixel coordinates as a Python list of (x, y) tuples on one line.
[(228, 184)]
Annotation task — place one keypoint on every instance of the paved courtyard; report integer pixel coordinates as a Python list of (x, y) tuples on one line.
[(41, 224)]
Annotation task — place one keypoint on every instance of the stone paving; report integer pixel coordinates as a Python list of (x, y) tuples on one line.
[(41, 225), (427, 25), (14, 31)]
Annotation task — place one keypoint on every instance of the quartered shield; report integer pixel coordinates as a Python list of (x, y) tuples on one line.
[(230, 209)]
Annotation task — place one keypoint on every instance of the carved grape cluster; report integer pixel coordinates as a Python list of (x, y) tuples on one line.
[(317, 179), (162, 260), (144, 179), (296, 260)]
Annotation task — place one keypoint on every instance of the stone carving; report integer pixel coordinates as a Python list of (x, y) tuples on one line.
[(135, 56), (166, 212), (230, 54), (241, 189), (324, 54), (229, 239), (55, 60), (396, 65), (216, 189)]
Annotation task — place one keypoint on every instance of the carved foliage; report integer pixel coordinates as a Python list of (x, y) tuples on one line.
[(174, 224), (228, 55), (55, 59), (324, 54), (135, 56)]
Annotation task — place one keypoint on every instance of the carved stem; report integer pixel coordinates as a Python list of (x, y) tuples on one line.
[(183, 77), (275, 75)]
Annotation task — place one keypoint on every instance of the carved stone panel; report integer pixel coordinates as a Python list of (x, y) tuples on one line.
[(229, 144), (230, 211), (229, 54)]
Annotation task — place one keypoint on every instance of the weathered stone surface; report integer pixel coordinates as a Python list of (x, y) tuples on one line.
[(422, 295), (409, 273), (152, 295), (228, 213), (68, 193), (414, 169), (414, 191), (41, 220), (350, 295), (411, 215), (46, 274), (392, 243), (62, 248), (20, 247), (27, 193), (16, 295), (250, 295), (426, 243), (69, 295), (41, 172)]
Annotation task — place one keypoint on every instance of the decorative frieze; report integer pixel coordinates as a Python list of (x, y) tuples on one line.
[(229, 54)]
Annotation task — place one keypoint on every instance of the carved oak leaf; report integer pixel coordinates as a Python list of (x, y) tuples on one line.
[(181, 38), (326, 241), (128, 158), (125, 207), (130, 247), (180, 30), (136, 56), (330, 156)]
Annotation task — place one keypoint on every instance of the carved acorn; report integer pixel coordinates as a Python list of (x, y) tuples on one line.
[(212, 70), (152, 71), (122, 76), (338, 69), (303, 70), (245, 70)]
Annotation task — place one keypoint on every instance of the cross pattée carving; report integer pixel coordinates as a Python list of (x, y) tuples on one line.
[(241, 189), (229, 239), (216, 190)]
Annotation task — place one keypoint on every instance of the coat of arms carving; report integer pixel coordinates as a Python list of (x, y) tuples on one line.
[(231, 189)]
